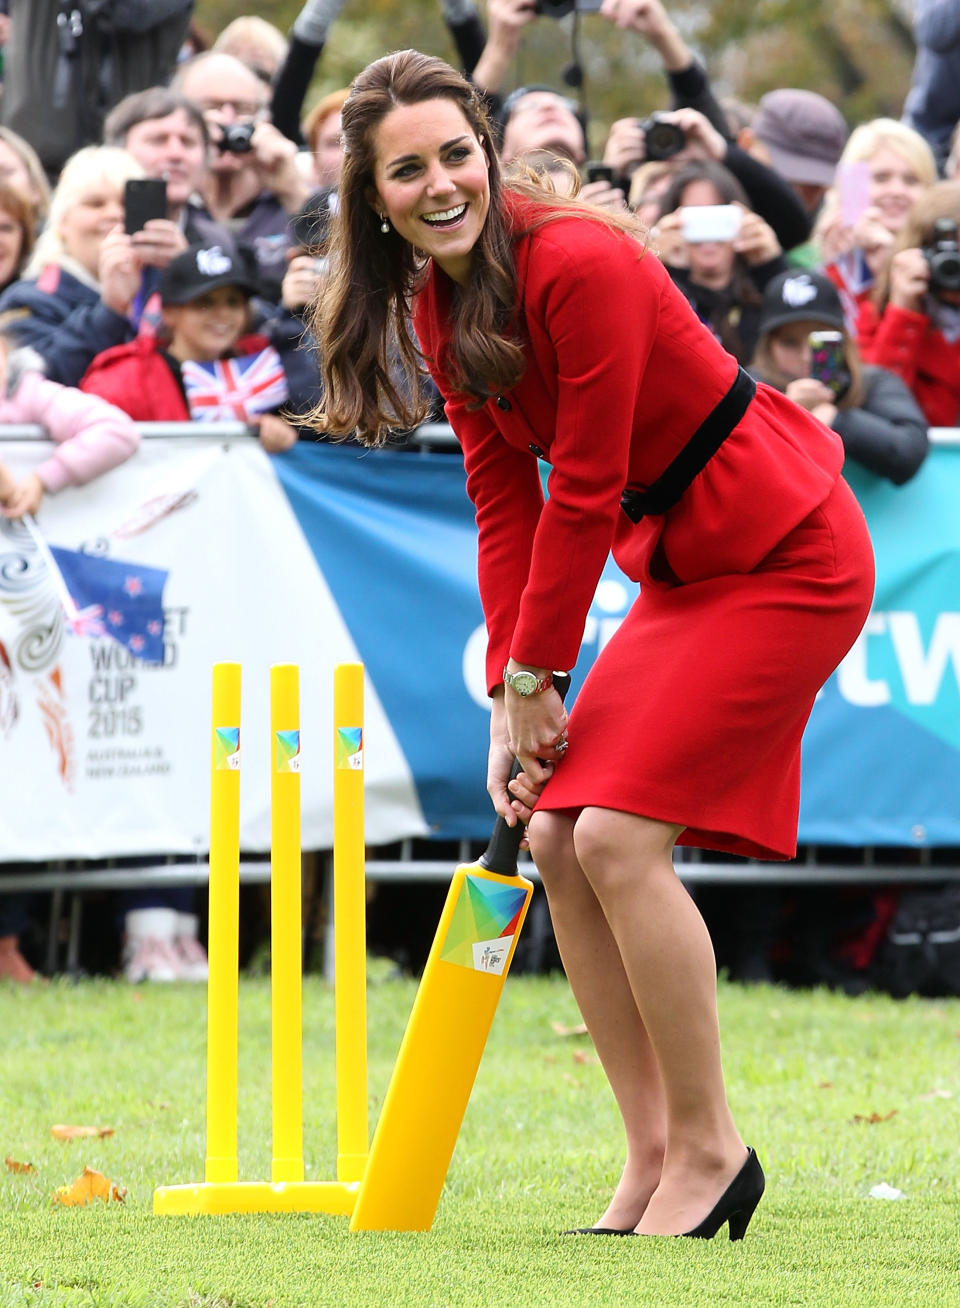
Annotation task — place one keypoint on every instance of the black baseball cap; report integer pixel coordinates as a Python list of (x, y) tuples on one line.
[(202, 268), (800, 296)]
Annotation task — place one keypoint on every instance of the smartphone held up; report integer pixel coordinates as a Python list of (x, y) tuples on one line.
[(828, 361), (144, 198)]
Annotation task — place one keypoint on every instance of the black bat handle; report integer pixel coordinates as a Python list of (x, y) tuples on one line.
[(504, 847)]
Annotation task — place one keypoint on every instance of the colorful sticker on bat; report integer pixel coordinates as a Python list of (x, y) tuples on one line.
[(349, 748), (286, 754), (226, 749), (484, 921)]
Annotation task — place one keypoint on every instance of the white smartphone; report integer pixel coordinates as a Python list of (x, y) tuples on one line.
[(710, 222)]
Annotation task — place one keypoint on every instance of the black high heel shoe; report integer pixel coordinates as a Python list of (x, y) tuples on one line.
[(736, 1205)]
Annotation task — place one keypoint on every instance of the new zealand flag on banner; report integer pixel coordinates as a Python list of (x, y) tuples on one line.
[(113, 598)]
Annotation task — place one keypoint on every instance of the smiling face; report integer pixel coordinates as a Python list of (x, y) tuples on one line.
[(894, 186), (96, 210), (208, 327), (430, 177)]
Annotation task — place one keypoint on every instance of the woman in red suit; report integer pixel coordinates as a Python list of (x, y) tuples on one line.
[(553, 333)]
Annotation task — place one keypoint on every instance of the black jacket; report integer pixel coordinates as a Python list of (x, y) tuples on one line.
[(61, 77), (887, 434)]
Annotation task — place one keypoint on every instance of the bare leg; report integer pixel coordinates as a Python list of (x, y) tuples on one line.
[(600, 986), (668, 957)]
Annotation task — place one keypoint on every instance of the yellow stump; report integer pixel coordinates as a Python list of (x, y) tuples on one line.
[(350, 922), (223, 942), (286, 944), (221, 1191)]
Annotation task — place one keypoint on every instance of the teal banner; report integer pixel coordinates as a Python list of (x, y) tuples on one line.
[(882, 751)]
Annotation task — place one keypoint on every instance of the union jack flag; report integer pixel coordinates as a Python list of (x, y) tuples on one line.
[(853, 279), (235, 389)]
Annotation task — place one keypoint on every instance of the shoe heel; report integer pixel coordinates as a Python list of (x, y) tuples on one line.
[(739, 1222)]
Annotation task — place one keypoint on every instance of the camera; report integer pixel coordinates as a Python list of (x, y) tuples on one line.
[(663, 139), (943, 257), (560, 8), (235, 138)]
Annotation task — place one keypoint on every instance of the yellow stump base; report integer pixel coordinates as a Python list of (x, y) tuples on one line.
[(211, 1197)]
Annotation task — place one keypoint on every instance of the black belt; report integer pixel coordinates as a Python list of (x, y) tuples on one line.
[(695, 455)]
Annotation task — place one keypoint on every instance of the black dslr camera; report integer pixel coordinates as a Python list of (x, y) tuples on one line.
[(235, 138), (943, 257), (560, 8), (663, 139)]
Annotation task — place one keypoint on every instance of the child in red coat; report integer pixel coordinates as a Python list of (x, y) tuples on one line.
[(208, 365)]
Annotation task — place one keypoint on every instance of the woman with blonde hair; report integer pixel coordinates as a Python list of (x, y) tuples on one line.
[(88, 284), (911, 323), (884, 169)]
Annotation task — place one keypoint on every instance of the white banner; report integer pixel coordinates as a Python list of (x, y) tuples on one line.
[(103, 754)]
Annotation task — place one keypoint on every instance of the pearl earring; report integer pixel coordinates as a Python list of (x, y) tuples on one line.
[(384, 225)]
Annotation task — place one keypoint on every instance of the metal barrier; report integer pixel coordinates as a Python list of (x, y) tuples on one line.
[(402, 863)]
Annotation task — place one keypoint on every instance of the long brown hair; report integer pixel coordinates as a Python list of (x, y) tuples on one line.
[(370, 363)]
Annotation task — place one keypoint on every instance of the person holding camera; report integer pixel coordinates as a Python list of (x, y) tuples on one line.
[(554, 334), (254, 183), (805, 350), (718, 252), (884, 169), (911, 324), (167, 135), (89, 284)]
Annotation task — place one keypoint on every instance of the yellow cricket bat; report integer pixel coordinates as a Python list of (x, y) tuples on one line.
[(445, 1036)]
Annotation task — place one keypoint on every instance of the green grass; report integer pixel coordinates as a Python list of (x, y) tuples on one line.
[(539, 1151)]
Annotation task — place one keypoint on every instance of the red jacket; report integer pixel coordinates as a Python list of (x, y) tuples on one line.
[(620, 372), (908, 344), (137, 378)]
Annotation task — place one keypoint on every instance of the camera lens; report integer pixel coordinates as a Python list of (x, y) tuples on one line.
[(663, 140)]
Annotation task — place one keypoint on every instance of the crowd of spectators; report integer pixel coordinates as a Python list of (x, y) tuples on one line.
[(776, 220)]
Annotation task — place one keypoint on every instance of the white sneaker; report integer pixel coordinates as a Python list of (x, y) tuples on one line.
[(149, 953), (192, 955)]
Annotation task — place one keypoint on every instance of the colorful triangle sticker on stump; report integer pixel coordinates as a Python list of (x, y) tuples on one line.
[(483, 925)]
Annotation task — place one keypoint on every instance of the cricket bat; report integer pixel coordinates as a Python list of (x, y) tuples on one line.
[(446, 1035)]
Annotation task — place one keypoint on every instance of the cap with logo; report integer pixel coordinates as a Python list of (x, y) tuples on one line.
[(796, 296), (804, 133), (203, 268)]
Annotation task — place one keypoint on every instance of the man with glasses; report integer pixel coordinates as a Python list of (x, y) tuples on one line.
[(253, 184)]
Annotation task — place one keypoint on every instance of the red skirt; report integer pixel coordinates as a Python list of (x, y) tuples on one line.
[(694, 711)]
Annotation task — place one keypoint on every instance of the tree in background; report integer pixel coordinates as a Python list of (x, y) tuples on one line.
[(858, 53)]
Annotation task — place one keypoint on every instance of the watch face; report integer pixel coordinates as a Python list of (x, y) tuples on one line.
[(524, 683)]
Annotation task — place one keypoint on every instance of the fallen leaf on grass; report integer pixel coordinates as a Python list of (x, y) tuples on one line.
[(825, 1085), (572, 1080), (561, 1030), (874, 1117), (581, 1056), (62, 1132), (89, 1185), (937, 1094), (14, 1166)]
